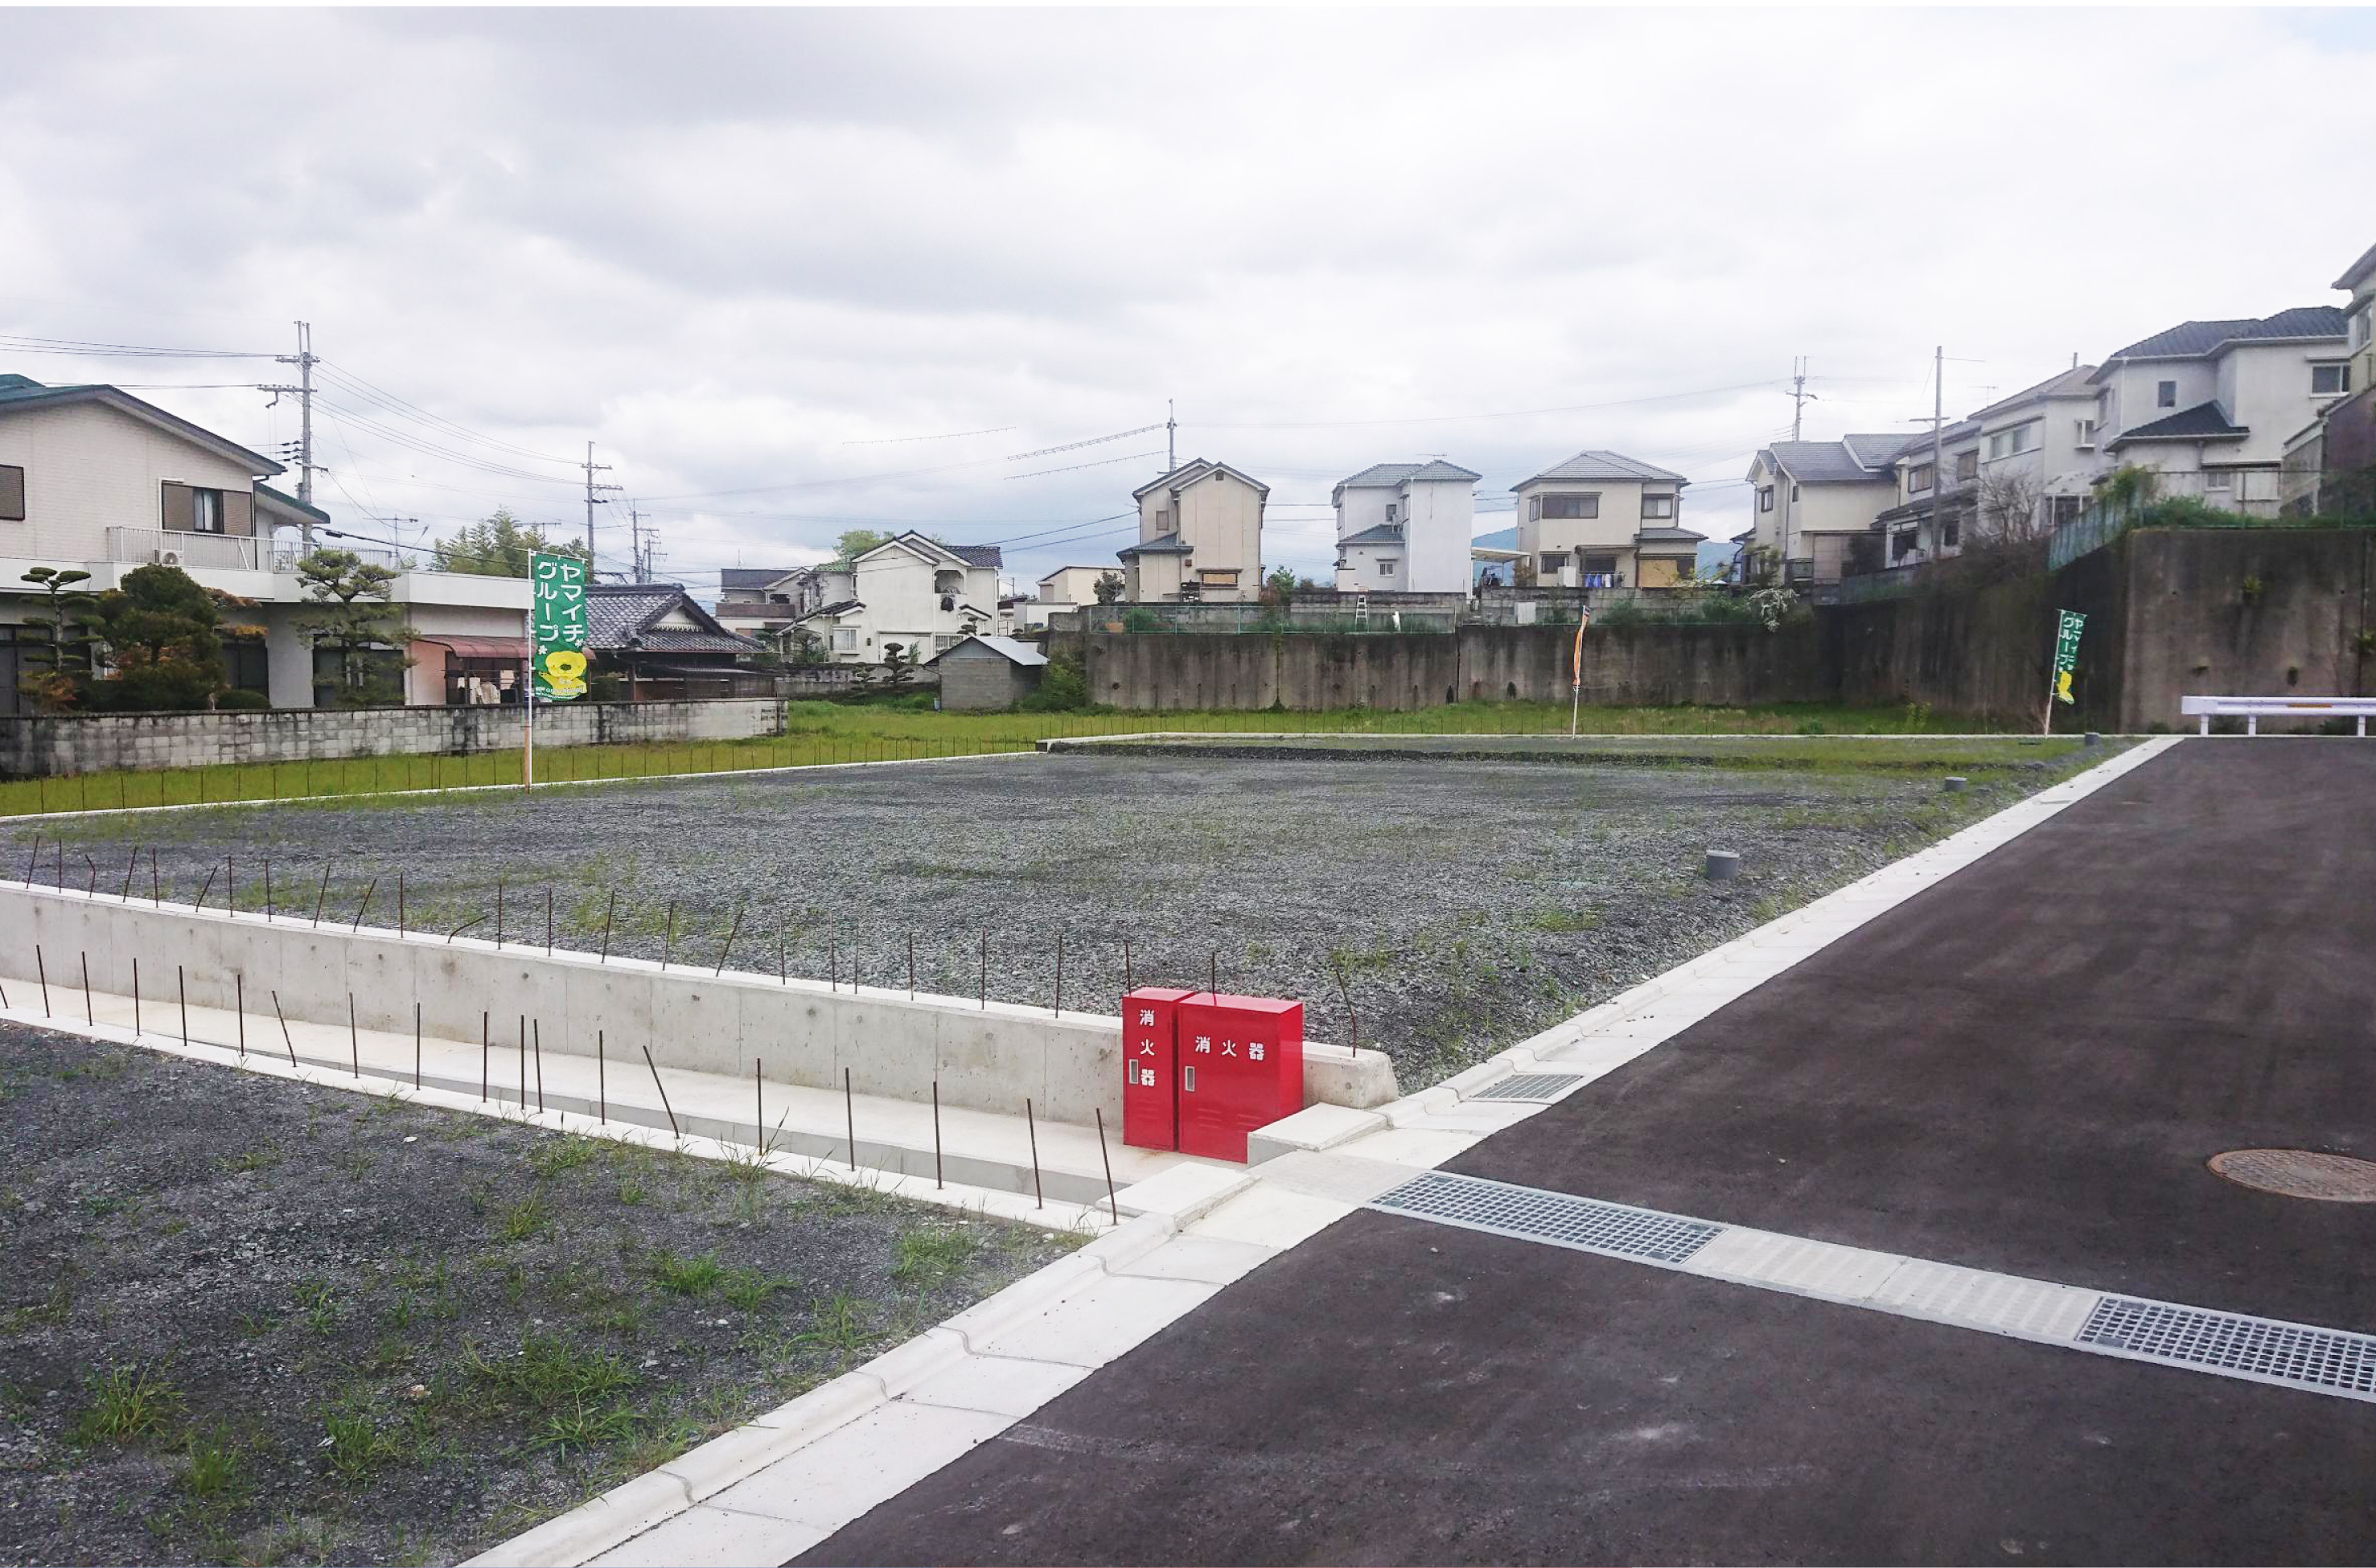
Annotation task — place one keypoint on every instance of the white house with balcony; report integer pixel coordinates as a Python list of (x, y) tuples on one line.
[(1813, 500), (912, 590), (1200, 531), (95, 479), (2211, 406), (1404, 528)]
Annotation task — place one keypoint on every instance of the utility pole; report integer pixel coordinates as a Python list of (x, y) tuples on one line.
[(1938, 458), (1800, 396), (592, 501), (304, 360), (1171, 435)]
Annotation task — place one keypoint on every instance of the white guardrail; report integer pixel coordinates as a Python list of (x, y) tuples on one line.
[(2252, 710)]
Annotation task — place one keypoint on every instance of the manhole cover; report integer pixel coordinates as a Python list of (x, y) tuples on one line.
[(2299, 1173)]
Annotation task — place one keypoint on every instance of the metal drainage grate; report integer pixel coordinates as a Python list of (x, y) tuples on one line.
[(1545, 1087), (1531, 1214), (2290, 1353), (2300, 1174)]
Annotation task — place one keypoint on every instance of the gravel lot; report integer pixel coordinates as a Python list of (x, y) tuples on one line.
[(274, 1323), (1462, 903)]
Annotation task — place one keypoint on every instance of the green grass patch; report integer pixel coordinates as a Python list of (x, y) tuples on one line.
[(827, 733), (547, 1374), (924, 1258), (127, 1405)]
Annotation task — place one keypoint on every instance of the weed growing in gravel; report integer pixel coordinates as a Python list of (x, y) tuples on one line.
[(358, 1444), (128, 1405), (320, 1309), (581, 1426), (54, 1308), (837, 1326), (747, 1289), (687, 1277), (925, 1257), (529, 1218), (555, 1156), (1565, 922), (214, 1471), (548, 1372)]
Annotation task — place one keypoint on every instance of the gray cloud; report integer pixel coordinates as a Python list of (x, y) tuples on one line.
[(727, 244)]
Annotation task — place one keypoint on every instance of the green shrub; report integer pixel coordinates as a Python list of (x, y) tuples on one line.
[(1138, 618), (1063, 687), (239, 699)]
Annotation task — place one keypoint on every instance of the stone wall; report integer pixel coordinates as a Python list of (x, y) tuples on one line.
[(94, 742)]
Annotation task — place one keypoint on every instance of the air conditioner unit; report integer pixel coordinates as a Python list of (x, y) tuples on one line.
[(166, 557)]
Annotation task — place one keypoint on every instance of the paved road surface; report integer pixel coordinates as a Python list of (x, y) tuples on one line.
[(2021, 1069)]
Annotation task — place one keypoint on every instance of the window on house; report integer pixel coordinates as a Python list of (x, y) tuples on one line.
[(1951, 533), (1556, 561), (1765, 496), (1657, 505), (1386, 568), (845, 639), (2329, 380), (1603, 567), (1218, 578), (2066, 507), (1968, 466), (1902, 543), (2217, 479), (2083, 435), (12, 494), (944, 641), (205, 511), (1390, 511), (1794, 492), (2363, 323), (2166, 395), (1572, 505), (1918, 476), (1163, 519)]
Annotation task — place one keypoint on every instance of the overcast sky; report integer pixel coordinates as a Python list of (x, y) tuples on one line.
[(800, 272)]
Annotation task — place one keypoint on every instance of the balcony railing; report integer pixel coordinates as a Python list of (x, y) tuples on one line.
[(175, 547), (285, 557)]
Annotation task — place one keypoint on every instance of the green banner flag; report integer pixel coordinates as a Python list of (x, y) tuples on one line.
[(556, 619), (2066, 654)]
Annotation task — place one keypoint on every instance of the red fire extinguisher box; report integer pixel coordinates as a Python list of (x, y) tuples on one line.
[(1150, 1079), (1240, 1066)]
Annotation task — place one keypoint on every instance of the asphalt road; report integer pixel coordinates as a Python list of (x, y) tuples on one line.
[(2023, 1068)]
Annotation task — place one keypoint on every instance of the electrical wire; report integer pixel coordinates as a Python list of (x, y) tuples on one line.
[(389, 403), (15, 345)]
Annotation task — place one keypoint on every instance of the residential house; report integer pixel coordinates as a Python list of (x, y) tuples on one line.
[(1073, 585), (911, 590), (764, 602), (2330, 464), (1602, 520), (1813, 500), (2212, 406), (1404, 528), (95, 479), (988, 675), (1938, 480), (1199, 537), (664, 645)]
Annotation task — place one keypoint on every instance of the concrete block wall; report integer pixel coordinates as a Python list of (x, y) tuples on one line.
[(985, 1058), (95, 742)]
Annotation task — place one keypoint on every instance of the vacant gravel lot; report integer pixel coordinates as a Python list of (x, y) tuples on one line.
[(274, 1323), (1464, 903)]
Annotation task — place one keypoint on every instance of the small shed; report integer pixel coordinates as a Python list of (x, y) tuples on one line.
[(990, 675)]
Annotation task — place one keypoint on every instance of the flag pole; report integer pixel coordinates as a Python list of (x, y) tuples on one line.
[(2053, 673), (528, 735)]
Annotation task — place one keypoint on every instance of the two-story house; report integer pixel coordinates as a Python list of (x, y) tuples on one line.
[(2330, 463), (2211, 406), (95, 479), (1404, 528), (1199, 537), (912, 590), (764, 602), (1814, 499), (1602, 520)]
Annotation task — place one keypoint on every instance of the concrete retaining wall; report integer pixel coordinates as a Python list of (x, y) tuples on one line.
[(985, 1058), (97, 741), (1726, 666)]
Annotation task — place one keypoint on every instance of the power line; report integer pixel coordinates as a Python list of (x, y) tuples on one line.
[(1076, 468), (1076, 446), (119, 350), (954, 436), (389, 403)]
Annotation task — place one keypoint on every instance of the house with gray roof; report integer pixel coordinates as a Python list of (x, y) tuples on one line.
[(2330, 464), (2213, 406), (1199, 536), (95, 479), (1811, 500), (911, 590), (1403, 528), (1602, 519)]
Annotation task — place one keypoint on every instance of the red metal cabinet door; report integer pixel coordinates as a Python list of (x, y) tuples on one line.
[(1240, 1067), (1150, 1106)]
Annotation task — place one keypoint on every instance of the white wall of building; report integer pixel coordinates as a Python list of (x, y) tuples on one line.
[(90, 467), (1439, 516)]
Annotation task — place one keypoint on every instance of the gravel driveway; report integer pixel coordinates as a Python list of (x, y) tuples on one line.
[(1461, 904)]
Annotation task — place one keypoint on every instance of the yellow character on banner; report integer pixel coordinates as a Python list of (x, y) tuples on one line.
[(2062, 688), (564, 674)]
